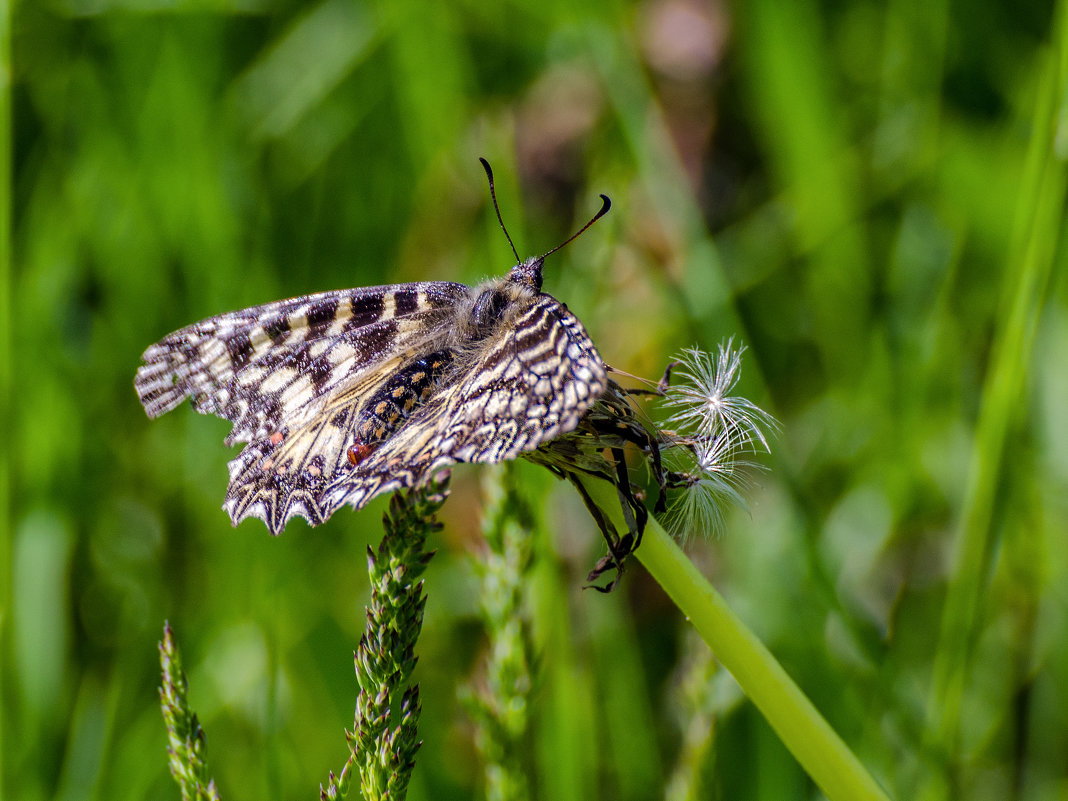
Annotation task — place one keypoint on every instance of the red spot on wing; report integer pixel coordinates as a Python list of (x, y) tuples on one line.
[(360, 451)]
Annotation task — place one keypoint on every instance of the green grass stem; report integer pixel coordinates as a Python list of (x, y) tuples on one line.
[(185, 737), (498, 699), (385, 738), (5, 346), (802, 729), (1038, 216)]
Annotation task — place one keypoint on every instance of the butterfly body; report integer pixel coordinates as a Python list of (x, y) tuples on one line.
[(344, 395), (391, 406)]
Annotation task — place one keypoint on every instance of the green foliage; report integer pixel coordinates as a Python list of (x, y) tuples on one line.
[(384, 738), (499, 702), (185, 738), (867, 194)]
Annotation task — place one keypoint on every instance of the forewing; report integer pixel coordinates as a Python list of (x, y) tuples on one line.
[(535, 383), (272, 367)]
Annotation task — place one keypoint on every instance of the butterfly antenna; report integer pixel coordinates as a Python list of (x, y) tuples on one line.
[(496, 208), (606, 204)]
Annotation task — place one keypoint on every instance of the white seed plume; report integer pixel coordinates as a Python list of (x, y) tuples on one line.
[(702, 403), (713, 429)]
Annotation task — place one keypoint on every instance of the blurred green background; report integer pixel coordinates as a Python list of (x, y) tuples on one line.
[(868, 194)]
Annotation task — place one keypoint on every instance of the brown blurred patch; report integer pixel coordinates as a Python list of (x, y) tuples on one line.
[(554, 122), (683, 43)]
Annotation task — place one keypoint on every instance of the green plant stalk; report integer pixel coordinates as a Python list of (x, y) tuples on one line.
[(799, 725), (6, 536), (1039, 214), (384, 738), (499, 704), (185, 737), (697, 697)]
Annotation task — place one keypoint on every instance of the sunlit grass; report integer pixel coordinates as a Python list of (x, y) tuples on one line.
[(870, 197)]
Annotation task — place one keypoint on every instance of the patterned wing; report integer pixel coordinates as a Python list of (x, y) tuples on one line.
[(273, 367), (285, 475), (532, 385)]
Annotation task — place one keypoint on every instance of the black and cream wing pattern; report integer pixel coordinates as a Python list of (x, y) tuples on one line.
[(344, 395)]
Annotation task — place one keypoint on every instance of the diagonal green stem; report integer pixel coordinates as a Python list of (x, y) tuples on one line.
[(799, 725)]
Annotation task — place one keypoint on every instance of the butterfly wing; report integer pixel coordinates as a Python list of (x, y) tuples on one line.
[(532, 384), (278, 477), (292, 376), (276, 365)]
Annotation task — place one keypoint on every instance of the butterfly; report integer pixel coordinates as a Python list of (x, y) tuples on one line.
[(342, 396)]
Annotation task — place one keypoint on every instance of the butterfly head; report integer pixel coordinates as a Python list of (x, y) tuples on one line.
[(528, 273)]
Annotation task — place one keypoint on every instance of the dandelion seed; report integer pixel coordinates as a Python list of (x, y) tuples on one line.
[(714, 429), (702, 402)]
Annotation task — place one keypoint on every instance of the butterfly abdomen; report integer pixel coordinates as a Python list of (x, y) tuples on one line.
[(388, 408)]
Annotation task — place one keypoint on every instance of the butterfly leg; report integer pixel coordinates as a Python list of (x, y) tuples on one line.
[(634, 513), (617, 552), (661, 386), (629, 430)]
